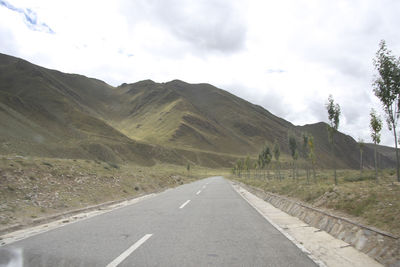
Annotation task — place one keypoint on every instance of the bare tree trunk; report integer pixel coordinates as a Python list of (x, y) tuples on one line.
[(334, 159), (307, 172), (376, 164), (279, 171), (314, 174), (397, 153), (361, 162), (293, 170)]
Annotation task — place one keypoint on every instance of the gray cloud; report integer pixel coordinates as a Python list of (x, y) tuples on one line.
[(357, 108), (317, 109), (345, 37), (207, 25), (271, 101), (270, 71)]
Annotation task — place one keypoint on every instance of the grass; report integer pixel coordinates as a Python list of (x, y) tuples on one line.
[(358, 197), (32, 187)]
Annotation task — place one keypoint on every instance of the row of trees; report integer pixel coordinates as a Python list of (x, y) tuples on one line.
[(386, 87), (265, 159)]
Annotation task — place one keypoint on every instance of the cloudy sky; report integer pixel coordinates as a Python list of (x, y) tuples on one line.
[(286, 56)]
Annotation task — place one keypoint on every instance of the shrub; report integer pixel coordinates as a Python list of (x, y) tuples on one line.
[(113, 165), (47, 164)]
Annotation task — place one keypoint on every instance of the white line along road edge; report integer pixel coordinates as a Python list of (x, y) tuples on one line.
[(184, 204), (288, 236), (129, 251)]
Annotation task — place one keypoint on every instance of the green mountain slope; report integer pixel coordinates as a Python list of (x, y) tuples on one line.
[(48, 113), (203, 117), (195, 116)]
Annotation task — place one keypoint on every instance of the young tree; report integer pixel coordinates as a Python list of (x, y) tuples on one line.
[(296, 157), (361, 145), (306, 155), (239, 168), (277, 153), (333, 115), (255, 166), (247, 166), (260, 163), (188, 167), (376, 126), (311, 154), (265, 158), (293, 150), (387, 89)]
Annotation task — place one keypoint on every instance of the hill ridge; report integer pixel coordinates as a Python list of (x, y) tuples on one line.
[(85, 117)]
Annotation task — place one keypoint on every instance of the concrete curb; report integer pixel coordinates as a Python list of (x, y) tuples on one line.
[(287, 235), (380, 245)]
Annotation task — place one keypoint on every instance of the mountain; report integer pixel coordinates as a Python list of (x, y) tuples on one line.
[(194, 116), (49, 113), (387, 151)]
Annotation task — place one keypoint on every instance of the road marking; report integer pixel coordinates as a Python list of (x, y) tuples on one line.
[(198, 192), (204, 186), (184, 204), (129, 251), (238, 190)]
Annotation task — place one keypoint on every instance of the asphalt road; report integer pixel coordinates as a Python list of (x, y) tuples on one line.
[(205, 223)]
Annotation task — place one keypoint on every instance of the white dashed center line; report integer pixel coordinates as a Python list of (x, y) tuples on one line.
[(198, 192), (129, 251), (184, 204)]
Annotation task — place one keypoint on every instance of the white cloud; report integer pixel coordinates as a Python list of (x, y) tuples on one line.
[(286, 56), (206, 25)]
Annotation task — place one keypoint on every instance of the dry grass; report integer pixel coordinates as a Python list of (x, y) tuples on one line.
[(356, 196), (37, 187)]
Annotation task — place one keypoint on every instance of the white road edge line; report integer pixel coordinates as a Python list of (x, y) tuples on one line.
[(129, 251), (277, 227), (184, 204), (198, 192), (22, 234)]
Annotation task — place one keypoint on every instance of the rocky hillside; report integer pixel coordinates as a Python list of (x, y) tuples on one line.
[(48, 113)]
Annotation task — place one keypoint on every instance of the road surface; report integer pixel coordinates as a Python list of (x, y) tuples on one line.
[(205, 223)]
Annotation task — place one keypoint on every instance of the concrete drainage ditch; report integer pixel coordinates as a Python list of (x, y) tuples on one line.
[(382, 246)]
